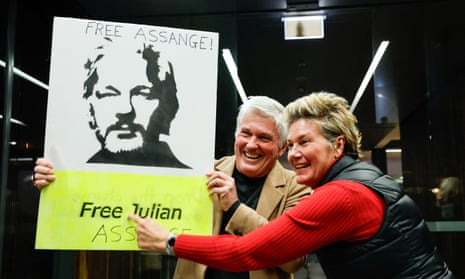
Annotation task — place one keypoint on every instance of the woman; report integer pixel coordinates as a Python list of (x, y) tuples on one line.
[(358, 221)]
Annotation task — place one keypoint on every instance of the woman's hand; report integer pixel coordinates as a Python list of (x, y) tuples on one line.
[(150, 235)]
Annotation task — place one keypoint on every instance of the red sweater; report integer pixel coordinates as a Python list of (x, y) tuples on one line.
[(337, 211)]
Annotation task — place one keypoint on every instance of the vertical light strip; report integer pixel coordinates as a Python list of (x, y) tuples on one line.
[(26, 76), (231, 65), (371, 70)]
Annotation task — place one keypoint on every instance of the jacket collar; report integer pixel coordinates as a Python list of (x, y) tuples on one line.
[(337, 168), (270, 195)]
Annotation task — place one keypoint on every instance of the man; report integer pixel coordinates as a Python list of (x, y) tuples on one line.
[(252, 184), (130, 106)]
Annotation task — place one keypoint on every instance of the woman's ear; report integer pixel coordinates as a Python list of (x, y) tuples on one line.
[(339, 144)]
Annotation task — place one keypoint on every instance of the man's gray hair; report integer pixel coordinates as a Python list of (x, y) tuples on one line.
[(266, 107)]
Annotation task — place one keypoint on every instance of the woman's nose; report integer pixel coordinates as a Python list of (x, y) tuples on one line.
[(293, 151)]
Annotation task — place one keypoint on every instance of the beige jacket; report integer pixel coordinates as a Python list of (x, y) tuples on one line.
[(280, 193)]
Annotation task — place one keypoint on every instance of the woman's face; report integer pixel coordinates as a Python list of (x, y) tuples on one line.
[(310, 153)]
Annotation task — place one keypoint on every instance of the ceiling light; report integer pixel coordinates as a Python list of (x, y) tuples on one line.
[(231, 65), (26, 76), (371, 70), (15, 121), (304, 27)]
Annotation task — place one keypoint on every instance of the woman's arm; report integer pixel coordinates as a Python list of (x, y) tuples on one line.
[(329, 215)]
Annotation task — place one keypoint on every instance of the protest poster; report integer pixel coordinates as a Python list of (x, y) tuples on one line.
[(130, 129)]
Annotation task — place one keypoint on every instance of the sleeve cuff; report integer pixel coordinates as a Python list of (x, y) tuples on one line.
[(228, 214)]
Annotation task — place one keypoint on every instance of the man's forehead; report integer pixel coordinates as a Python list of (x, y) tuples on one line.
[(113, 71), (265, 126), (128, 60), (117, 55)]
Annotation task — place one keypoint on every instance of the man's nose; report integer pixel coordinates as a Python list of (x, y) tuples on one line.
[(253, 142), (124, 108)]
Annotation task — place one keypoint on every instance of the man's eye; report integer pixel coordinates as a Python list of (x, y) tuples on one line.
[(141, 90), (107, 93), (266, 138), (145, 90), (245, 133)]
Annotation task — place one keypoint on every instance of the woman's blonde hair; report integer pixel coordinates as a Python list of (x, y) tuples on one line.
[(331, 112)]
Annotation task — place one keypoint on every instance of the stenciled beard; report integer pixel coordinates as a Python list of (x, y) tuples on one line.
[(115, 144)]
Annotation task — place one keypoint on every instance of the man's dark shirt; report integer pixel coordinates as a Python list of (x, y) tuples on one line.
[(248, 190)]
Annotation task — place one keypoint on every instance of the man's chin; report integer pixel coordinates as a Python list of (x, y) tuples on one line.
[(122, 151), (252, 170), (116, 144), (122, 148)]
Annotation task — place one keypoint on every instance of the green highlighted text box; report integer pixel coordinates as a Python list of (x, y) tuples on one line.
[(88, 211)]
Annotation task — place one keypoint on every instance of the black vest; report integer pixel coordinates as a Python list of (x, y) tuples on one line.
[(402, 248)]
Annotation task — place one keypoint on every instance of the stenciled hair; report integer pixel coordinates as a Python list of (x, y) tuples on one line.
[(266, 107), (90, 67), (331, 112)]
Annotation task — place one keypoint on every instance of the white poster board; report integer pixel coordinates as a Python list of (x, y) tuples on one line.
[(130, 129)]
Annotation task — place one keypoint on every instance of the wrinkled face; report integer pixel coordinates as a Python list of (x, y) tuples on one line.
[(310, 153), (257, 146), (120, 101)]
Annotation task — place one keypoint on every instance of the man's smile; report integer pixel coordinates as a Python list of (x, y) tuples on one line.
[(251, 156)]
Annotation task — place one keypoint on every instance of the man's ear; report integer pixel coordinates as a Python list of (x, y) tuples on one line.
[(92, 120), (282, 149)]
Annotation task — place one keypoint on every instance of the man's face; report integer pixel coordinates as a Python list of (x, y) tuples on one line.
[(122, 109), (257, 146)]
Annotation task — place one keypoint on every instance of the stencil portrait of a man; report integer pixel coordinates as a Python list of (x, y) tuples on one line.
[(132, 100)]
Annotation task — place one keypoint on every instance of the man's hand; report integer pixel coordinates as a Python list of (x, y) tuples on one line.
[(43, 173), (224, 186), (150, 235)]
